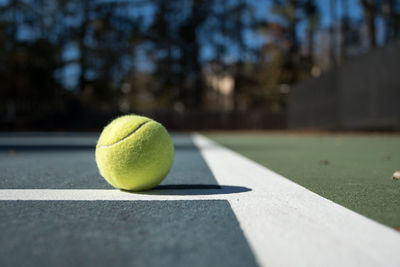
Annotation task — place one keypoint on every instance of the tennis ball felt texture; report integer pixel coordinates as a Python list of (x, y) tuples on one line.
[(134, 153)]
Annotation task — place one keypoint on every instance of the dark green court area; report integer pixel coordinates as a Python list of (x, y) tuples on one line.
[(353, 170)]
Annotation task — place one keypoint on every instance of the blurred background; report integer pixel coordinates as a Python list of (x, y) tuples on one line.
[(200, 64)]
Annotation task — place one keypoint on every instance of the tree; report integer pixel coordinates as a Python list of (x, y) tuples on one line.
[(332, 32), (29, 62), (162, 48), (190, 53), (389, 15), (370, 11), (344, 29), (288, 10), (311, 15), (235, 32)]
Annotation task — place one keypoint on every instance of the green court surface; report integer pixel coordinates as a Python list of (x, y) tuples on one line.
[(353, 170)]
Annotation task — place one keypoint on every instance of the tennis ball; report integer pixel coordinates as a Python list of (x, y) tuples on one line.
[(134, 153)]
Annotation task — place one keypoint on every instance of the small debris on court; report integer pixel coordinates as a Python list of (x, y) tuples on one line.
[(396, 175), (323, 162), (387, 157)]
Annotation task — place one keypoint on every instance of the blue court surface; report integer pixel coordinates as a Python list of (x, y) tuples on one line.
[(215, 208)]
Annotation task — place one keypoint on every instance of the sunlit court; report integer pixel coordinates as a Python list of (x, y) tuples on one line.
[(199, 133)]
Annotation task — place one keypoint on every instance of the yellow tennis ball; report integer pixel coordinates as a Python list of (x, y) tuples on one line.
[(134, 153)]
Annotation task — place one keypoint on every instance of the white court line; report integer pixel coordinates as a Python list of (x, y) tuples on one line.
[(103, 194), (288, 225), (284, 223)]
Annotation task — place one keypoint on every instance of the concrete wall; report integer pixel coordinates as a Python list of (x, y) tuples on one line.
[(363, 93)]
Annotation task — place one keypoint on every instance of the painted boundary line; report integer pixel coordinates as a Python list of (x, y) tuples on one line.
[(284, 223), (107, 195), (288, 225)]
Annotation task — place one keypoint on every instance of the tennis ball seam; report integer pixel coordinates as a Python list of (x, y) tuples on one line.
[(126, 137), (134, 153)]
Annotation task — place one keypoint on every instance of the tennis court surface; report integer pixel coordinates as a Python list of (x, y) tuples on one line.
[(273, 200)]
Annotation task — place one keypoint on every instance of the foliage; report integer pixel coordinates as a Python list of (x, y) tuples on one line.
[(144, 55)]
